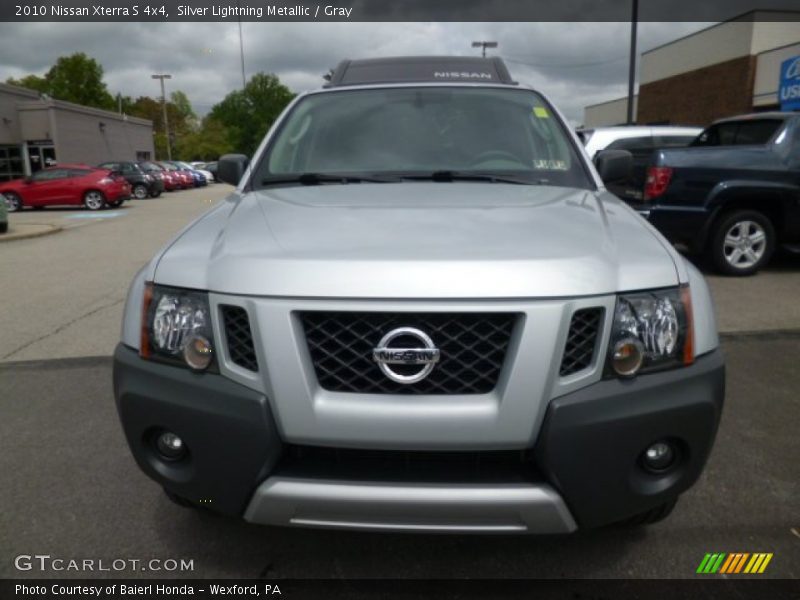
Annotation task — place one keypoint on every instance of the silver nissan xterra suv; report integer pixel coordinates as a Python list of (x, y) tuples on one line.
[(421, 310)]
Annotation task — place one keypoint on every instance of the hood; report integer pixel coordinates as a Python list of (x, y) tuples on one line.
[(419, 240)]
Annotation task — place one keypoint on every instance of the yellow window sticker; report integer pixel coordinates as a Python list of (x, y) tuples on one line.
[(541, 112)]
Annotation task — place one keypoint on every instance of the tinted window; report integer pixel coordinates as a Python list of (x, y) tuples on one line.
[(424, 130), (751, 132), (757, 132), (110, 165), (149, 166), (79, 172), (50, 174)]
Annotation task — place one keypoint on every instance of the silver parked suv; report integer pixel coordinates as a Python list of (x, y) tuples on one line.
[(421, 310)]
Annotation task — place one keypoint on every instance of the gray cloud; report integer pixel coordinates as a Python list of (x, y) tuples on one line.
[(576, 64)]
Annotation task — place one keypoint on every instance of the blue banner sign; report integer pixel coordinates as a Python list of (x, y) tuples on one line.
[(789, 90)]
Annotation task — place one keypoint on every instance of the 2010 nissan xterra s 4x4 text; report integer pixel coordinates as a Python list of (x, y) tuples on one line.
[(421, 310)]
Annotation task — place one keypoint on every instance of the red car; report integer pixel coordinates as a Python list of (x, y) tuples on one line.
[(67, 185), (184, 177), (171, 182)]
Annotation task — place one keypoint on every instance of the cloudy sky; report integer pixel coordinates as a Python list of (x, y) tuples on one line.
[(576, 64)]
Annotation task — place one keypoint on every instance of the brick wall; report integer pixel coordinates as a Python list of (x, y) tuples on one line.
[(700, 96)]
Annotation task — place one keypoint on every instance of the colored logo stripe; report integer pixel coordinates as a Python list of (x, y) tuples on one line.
[(736, 562)]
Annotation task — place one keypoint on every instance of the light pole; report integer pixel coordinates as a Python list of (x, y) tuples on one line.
[(162, 77), (632, 64), (241, 45), (484, 46)]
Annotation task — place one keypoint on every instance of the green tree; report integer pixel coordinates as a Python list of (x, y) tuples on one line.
[(32, 82), (182, 120), (208, 142), (78, 78), (75, 78), (247, 114)]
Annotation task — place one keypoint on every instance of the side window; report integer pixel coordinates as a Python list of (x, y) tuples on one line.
[(723, 134), (50, 175), (78, 172), (758, 132)]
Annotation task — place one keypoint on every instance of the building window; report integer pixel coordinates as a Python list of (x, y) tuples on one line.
[(142, 156), (11, 163)]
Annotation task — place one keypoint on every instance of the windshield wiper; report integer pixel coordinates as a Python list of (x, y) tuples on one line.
[(320, 178), (448, 176)]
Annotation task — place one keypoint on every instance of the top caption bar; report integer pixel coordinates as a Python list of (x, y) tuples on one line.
[(395, 10)]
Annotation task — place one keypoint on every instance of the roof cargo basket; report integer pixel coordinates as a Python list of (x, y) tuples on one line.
[(416, 69)]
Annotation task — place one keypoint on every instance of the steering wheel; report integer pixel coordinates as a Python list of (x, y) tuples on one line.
[(495, 155)]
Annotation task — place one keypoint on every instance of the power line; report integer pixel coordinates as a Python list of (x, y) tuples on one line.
[(565, 65)]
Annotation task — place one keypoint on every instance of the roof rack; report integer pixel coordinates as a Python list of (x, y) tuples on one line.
[(408, 69)]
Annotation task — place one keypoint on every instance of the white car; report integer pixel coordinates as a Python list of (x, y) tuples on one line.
[(636, 139), (641, 142)]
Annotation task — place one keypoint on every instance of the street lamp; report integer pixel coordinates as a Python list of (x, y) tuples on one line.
[(484, 45), (162, 77), (631, 117)]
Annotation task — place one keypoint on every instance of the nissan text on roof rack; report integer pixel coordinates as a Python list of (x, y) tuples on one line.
[(421, 310)]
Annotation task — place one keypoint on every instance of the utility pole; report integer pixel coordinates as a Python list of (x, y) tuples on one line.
[(162, 77), (484, 46), (632, 63), (241, 45)]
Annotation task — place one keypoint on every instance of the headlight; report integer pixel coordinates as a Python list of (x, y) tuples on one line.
[(176, 327), (651, 331)]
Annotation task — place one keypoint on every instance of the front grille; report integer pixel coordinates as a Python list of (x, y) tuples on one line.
[(584, 330), (239, 337), (316, 462), (472, 350)]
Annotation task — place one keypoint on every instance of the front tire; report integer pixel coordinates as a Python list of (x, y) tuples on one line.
[(155, 194), (742, 242), (140, 191), (13, 202), (94, 200)]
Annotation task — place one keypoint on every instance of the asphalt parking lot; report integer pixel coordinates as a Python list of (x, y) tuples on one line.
[(71, 489)]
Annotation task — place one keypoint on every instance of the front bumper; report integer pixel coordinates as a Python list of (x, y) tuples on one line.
[(587, 455)]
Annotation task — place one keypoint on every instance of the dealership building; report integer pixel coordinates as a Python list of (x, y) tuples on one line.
[(738, 66), (37, 131)]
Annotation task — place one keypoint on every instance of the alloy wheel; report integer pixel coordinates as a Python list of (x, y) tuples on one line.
[(94, 200), (745, 244)]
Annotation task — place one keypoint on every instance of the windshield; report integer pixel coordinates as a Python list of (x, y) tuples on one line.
[(399, 132)]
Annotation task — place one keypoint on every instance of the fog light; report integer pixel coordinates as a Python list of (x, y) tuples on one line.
[(197, 352), (659, 456), (627, 357), (170, 446)]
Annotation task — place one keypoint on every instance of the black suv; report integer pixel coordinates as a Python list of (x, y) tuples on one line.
[(142, 184), (734, 195)]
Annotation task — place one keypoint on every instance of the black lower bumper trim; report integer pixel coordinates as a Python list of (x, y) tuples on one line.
[(228, 430), (591, 441)]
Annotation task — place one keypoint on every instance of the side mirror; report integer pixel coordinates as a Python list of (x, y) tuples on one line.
[(231, 167), (614, 165)]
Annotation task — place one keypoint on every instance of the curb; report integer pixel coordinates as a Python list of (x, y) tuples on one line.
[(41, 230)]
